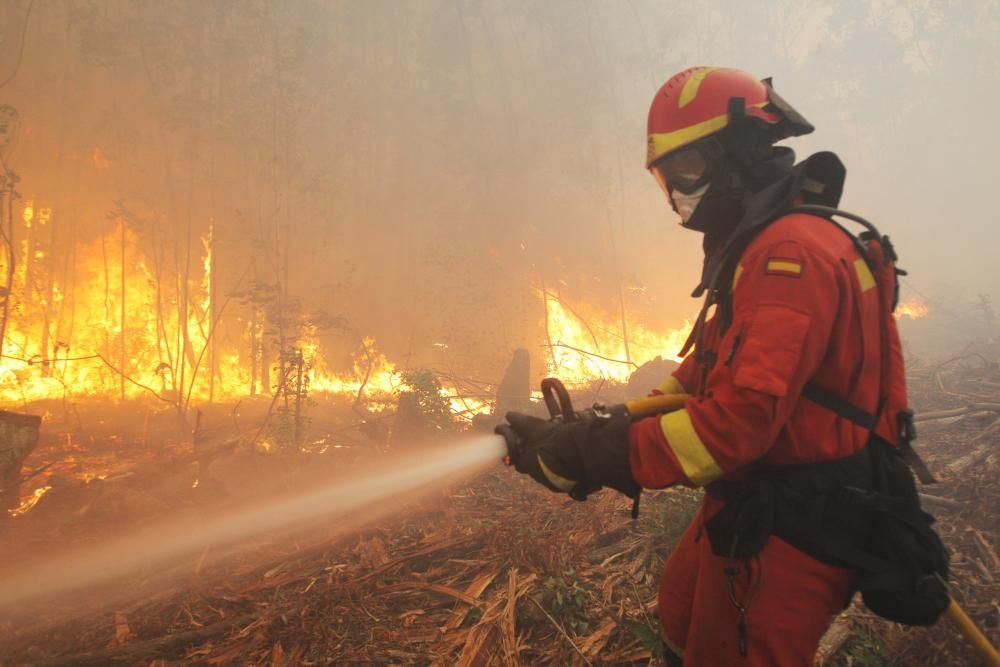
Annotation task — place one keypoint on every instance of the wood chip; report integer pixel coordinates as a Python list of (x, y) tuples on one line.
[(439, 546), (595, 642), (474, 589), (509, 624), (835, 636), (436, 588), (479, 645), (482, 639), (989, 553), (277, 655)]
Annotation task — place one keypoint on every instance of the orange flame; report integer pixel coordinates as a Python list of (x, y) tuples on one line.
[(29, 502), (119, 330), (913, 308), (589, 346)]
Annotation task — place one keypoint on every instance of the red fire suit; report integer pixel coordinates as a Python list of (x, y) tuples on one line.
[(805, 308)]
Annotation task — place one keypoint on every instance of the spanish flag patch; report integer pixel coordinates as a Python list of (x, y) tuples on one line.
[(784, 266)]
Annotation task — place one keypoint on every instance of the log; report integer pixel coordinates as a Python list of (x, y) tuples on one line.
[(836, 635), (514, 390), (957, 412), (18, 438), (947, 503), (961, 465)]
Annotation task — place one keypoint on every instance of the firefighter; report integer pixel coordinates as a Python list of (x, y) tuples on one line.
[(794, 365)]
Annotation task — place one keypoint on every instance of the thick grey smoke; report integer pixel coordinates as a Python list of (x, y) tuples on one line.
[(419, 168)]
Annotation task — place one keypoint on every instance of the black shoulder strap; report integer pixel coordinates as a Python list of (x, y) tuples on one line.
[(813, 392), (840, 406)]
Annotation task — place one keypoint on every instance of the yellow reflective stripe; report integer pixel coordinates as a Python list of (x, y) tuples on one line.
[(736, 275), (787, 267), (559, 482), (691, 86), (661, 143), (671, 386), (694, 457), (865, 277)]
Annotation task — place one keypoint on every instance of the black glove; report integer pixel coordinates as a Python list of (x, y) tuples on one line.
[(577, 458)]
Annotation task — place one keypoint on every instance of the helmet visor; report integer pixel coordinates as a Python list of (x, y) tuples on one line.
[(688, 168)]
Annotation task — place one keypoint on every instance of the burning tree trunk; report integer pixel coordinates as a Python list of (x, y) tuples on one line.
[(122, 356), (18, 437), (514, 392), (294, 391), (10, 181)]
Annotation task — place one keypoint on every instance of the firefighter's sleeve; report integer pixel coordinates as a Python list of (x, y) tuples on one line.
[(785, 299)]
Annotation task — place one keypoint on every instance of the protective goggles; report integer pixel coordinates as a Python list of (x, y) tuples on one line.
[(689, 168)]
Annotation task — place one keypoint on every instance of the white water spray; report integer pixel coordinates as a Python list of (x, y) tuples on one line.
[(154, 546)]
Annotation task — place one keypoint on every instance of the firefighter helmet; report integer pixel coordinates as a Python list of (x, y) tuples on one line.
[(702, 101)]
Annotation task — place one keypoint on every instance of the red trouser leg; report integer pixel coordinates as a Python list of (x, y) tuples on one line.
[(678, 587), (793, 599)]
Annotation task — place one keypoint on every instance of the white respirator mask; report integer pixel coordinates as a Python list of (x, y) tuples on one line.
[(685, 204)]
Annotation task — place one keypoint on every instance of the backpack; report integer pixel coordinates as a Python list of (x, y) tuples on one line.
[(861, 511)]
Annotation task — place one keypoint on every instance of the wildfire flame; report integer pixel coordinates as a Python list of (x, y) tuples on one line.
[(29, 502), (913, 308), (588, 347), (116, 327)]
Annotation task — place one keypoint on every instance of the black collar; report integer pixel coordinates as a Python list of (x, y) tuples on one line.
[(819, 179)]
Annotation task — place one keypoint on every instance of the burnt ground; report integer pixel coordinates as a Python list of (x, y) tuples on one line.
[(495, 571)]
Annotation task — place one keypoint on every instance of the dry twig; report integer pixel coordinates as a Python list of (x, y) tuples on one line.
[(562, 632)]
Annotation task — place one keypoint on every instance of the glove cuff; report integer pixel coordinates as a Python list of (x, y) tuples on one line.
[(603, 447)]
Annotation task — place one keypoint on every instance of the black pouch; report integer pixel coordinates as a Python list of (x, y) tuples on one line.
[(742, 527), (909, 585), (861, 513)]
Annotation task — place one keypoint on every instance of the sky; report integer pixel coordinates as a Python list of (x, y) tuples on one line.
[(424, 167)]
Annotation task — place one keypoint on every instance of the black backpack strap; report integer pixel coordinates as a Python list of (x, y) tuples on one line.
[(840, 406), (906, 430)]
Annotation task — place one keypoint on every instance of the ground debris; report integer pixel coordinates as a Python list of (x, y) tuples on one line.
[(502, 572)]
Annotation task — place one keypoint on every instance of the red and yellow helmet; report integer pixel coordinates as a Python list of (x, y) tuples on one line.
[(695, 104)]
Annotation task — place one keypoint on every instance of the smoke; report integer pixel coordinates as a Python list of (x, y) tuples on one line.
[(418, 170)]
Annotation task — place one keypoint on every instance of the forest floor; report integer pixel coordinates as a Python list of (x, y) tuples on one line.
[(494, 570)]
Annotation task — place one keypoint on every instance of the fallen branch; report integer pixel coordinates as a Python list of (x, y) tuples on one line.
[(594, 354), (833, 639), (986, 549), (436, 588), (473, 590), (561, 631), (957, 412), (936, 375), (497, 625), (135, 382), (152, 648), (947, 503), (36, 472), (987, 431), (444, 544), (960, 465), (508, 623)]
